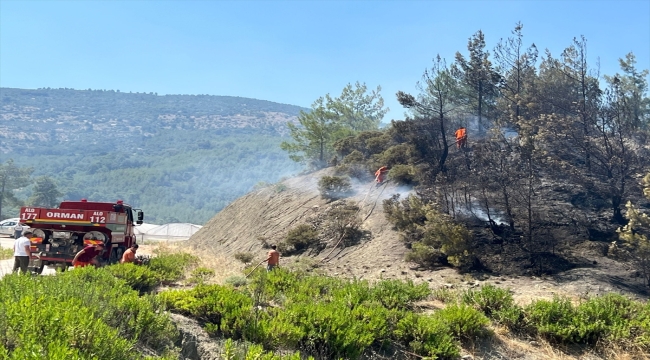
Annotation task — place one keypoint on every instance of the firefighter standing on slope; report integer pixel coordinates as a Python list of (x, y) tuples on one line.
[(461, 138), (381, 174)]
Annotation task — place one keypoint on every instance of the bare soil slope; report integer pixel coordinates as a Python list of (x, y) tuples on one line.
[(266, 215)]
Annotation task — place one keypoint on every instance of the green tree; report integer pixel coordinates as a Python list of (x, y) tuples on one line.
[(436, 102), (478, 75), (357, 109), (516, 66), (314, 137), (12, 177), (632, 85), (331, 119), (46, 193)]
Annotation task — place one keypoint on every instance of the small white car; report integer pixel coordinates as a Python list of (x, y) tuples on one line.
[(7, 226)]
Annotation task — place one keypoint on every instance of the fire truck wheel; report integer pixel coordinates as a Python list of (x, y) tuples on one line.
[(116, 254), (38, 269)]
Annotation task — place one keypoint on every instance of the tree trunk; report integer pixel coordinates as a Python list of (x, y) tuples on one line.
[(480, 107), (445, 147)]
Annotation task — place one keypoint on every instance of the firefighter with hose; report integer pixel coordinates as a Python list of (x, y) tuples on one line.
[(272, 260), (380, 175), (461, 138)]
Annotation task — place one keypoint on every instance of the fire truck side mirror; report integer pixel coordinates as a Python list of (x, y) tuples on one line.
[(140, 217)]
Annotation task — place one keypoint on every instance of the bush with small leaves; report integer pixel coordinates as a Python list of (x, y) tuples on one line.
[(355, 171), (301, 237), (495, 303), (236, 281), (138, 277), (463, 321), (396, 294), (245, 257), (83, 314), (200, 275), (435, 238), (402, 174), (354, 157), (171, 266), (426, 336), (334, 187)]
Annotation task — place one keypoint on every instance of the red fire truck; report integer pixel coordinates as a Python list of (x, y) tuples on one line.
[(60, 233)]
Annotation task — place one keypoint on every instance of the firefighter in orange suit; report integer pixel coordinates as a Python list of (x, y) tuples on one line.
[(461, 138), (380, 174)]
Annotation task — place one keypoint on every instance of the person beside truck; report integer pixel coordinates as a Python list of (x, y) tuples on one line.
[(88, 256), (22, 252), (18, 230), (129, 255)]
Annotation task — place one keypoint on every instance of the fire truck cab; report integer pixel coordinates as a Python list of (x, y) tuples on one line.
[(62, 232)]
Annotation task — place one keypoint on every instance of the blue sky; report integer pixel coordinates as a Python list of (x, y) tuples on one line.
[(287, 51)]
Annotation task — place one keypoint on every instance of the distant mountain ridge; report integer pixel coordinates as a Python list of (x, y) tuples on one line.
[(181, 158), (47, 115)]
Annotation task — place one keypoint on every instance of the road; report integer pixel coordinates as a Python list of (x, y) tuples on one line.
[(7, 265)]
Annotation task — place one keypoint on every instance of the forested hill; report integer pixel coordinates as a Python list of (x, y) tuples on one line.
[(178, 157)]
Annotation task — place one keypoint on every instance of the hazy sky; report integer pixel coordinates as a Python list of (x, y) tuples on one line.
[(287, 51)]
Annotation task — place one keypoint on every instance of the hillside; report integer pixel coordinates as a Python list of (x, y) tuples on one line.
[(181, 158), (267, 215)]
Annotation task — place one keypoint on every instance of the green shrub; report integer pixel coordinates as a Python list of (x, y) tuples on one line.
[(245, 257), (229, 312), (171, 266), (435, 238), (330, 328), (398, 154), (236, 281), (200, 275), (402, 174), (552, 319), (489, 299), (496, 303), (140, 278), (463, 321), (344, 220), (426, 336), (82, 314), (425, 255), (446, 294), (354, 157), (354, 171), (610, 317), (395, 294), (334, 187), (231, 351), (301, 237)]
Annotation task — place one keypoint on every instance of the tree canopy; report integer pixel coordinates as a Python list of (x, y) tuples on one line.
[(331, 119)]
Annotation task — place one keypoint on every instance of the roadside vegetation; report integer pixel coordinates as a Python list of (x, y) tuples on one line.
[(82, 314), (108, 313), (6, 253), (328, 317)]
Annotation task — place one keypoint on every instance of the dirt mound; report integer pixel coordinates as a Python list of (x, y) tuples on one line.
[(266, 215)]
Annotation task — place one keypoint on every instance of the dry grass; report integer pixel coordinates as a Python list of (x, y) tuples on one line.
[(6, 253), (222, 266), (505, 345)]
